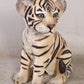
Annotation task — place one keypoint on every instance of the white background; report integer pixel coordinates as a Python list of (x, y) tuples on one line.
[(70, 25)]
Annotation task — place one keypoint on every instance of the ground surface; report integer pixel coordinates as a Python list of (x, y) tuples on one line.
[(10, 65)]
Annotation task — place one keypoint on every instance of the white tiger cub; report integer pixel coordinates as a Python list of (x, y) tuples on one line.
[(44, 50)]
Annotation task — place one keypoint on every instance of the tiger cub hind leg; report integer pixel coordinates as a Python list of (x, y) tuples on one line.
[(63, 69), (23, 75), (60, 78)]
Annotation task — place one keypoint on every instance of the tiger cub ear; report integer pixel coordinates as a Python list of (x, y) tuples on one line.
[(21, 6), (61, 5)]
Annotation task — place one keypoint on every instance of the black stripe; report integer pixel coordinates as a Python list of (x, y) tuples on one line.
[(24, 68), (58, 10), (50, 5), (70, 65), (33, 23), (35, 26), (37, 66), (44, 3), (46, 61), (64, 58), (37, 71), (68, 62), (63, 46), (26, 13), (40, 3), (23, 64), (69, 69), (51, 2), (34, 2), (28, 56), (30, 19), (26, 53), (66, 52), (64, 43), (42, 38), (43, 53), (39, 47), (54, 42), (24, 58), (32, 15), (54, 54), (62, 66), (39, 9), (67, 73), (30, 12), (39, 21), (35, 10)]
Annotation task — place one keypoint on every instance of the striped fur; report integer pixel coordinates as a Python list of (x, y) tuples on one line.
[(44, 50)]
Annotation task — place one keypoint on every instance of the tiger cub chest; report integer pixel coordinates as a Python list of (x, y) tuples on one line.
[(38, 44)]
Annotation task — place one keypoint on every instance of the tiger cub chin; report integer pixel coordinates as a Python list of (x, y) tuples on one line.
[(44, 50)]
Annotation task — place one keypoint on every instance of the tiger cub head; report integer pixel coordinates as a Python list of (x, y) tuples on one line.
[(41, 16)]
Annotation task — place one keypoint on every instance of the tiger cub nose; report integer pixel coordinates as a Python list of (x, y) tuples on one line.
[(50, 26)]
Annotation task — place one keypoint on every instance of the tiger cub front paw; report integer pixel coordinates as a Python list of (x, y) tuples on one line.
[(20, 78)]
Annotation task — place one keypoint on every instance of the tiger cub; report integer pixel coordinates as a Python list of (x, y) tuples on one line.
[(44, 50)]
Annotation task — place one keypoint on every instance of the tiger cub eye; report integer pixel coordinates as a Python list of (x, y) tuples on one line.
[(41, 15), (55, 14)]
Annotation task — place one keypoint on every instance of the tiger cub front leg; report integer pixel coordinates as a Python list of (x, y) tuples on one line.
[(38, 72), (23, 75), (37, 79)]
